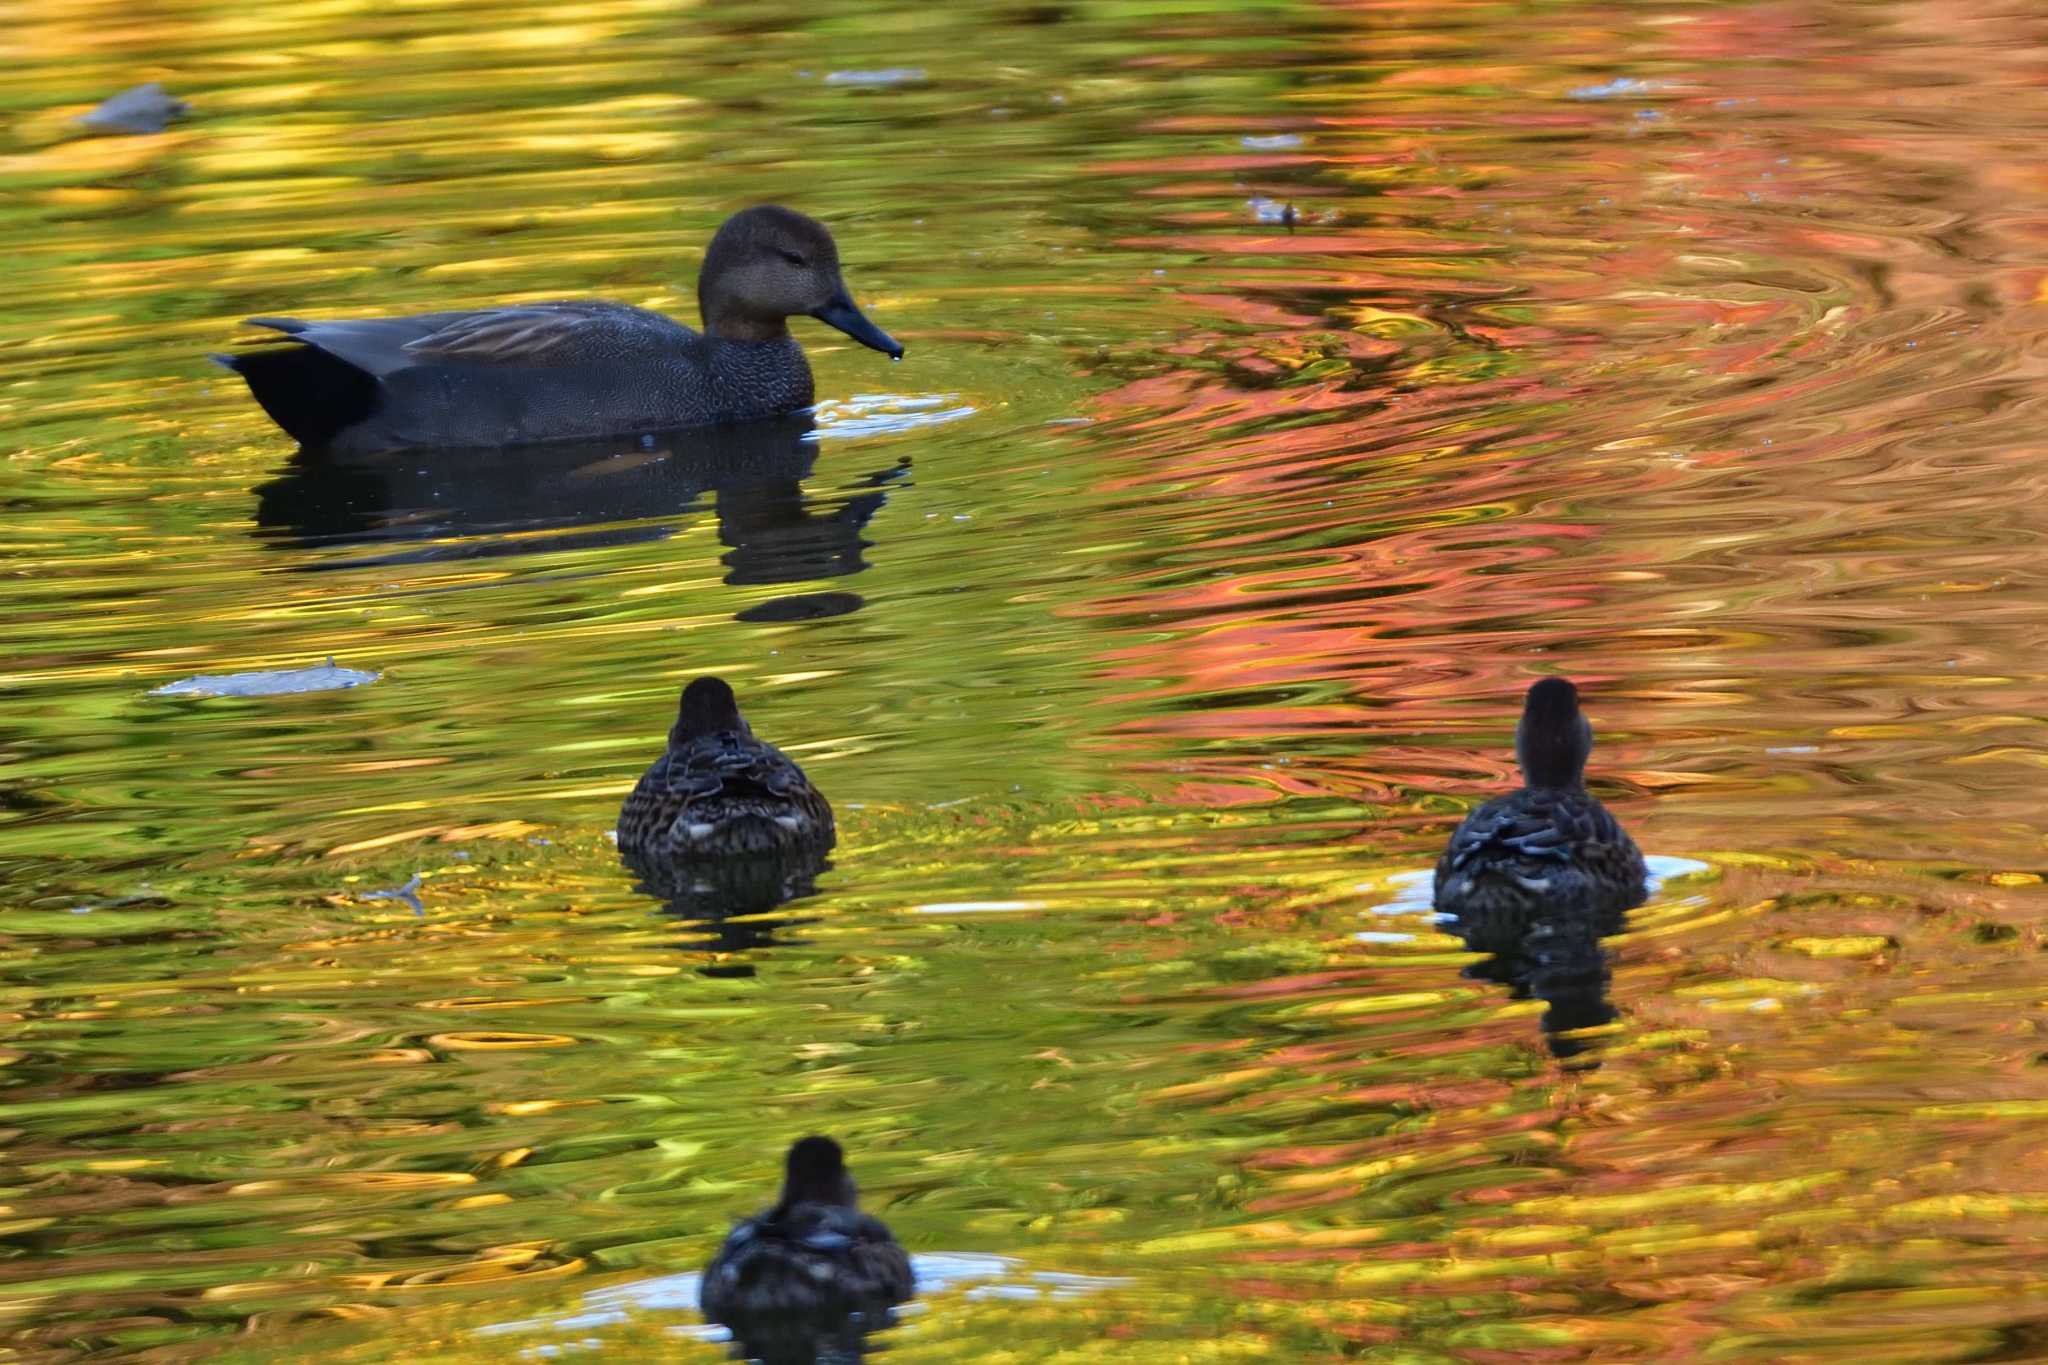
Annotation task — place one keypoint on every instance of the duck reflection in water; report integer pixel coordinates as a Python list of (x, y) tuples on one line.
[(483, 503), (1539, 876), (724, 826), (727, 903), (805, 1282)]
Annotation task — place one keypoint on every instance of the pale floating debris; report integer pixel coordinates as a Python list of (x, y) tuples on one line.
[(1276, 142), (267, 682), (409, 893), (1275, 211), (1382, 936), (1271, 210), (142, 897), (892, 75), (1793, 749), (138, 109), (1619, 86), (881, 414), (979, 907)]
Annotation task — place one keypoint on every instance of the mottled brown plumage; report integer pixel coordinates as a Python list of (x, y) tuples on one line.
[(720, 793), (812, 1259), (575, 370), (1548, 850)]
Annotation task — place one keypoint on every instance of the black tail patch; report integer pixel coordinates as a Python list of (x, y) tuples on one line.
[(308, 392)]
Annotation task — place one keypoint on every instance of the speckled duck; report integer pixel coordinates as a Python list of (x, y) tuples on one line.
[(1548, 850), (812, 1258), (720, 793), (543, 372)]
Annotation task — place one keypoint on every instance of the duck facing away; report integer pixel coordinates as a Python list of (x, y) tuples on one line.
[(544, 372), (812, 1259), (720, 793), (1548, 850)]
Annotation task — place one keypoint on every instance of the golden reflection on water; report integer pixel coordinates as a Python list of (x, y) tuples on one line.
[(1170, 601)]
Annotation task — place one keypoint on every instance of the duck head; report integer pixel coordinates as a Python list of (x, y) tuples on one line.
[(768, 264), (815, 1173), (708, 708), (1553, 740)]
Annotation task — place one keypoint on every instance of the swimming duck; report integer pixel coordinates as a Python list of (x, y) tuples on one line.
[(542, 372), (1547, 850), (720, 793), (812, 1259)]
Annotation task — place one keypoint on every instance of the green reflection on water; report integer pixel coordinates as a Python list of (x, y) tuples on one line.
[(1201, 615)]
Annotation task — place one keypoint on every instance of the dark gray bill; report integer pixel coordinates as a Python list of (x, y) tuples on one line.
[(842, 314)]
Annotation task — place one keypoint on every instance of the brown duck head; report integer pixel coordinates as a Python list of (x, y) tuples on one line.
[(815, 1173), (769, 264), (708, 708), (1553, 741)]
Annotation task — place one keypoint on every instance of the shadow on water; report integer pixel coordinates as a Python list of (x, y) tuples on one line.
[(485, 503)]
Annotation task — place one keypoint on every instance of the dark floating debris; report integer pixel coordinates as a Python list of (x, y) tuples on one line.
[(809, 606), (267, 683), (139, 109)]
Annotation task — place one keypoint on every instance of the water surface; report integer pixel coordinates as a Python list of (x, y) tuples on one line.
[(1162, 611)]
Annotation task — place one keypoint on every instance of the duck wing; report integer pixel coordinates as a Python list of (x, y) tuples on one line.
[(809, 1261), (729, 765), (522, 336), (1540, 824)]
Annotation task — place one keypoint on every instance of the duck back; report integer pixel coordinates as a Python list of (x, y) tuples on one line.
[(721, 796), (808, 1262), (1534, 855)]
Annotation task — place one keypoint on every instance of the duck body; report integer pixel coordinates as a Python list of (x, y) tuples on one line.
[(528, 375), (1528, 857), (539, 373), (809, 1263), (718, 792), (1547, 852)]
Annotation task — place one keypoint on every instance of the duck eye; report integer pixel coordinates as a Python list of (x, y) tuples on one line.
[(793, 258)]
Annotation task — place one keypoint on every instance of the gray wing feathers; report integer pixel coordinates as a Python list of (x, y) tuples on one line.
[(575, 332)]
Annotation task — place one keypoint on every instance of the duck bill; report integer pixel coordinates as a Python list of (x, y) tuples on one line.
[(842, 314)]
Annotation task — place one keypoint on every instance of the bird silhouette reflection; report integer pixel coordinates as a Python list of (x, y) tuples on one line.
[(432, 505), (725, 904), (1559, 961), (822, 1340)]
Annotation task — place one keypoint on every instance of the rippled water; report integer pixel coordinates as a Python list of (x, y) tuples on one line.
[(1287, 385)]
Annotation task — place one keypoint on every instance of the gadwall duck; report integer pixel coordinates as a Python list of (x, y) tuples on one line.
[(812, 1259), (1548, 850), (544, 372), (720, 793)]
